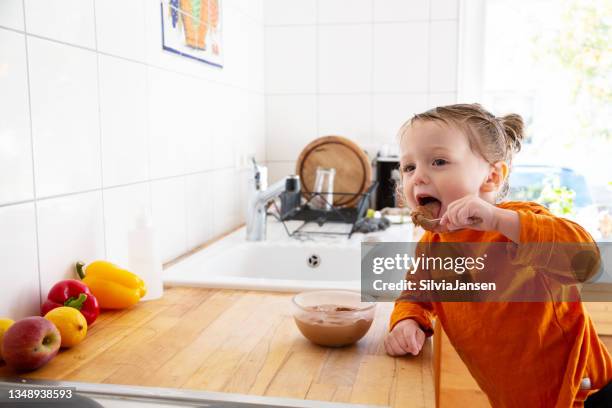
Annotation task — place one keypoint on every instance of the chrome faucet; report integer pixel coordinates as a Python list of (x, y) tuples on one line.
[(258, 201)]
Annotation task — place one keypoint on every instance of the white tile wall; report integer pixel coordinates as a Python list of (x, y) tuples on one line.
[(444, 9), (227, 210), (401, 10), (169, 216), (345, 55), (166, 142), (390, 111), (256, 58), (19, 292), (70, 229), (378, 63), (65, 120), (123, 121), (291, 123), (236, 42), (198, 113), (345, 11), (11, 14), (122, 207), (199, 207), (120, 27), (15, 146), (280, 169), (401, 57), (291, 59), (346, 115), (70, 21), (443, 98), (443, 54), (254, 9), (282, 12), (117, 125), (230, 118), (256, 139)]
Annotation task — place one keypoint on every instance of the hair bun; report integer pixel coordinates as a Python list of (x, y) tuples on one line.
[(513, 126)]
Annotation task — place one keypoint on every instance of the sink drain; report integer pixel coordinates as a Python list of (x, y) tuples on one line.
[(314, 261)]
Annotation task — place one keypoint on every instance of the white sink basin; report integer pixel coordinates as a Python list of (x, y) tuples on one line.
[(280, 263)]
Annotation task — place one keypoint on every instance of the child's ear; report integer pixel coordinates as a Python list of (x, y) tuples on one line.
[(497, 174)]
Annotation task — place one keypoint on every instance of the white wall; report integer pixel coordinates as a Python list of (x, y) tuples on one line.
[(96, 121), (357, 68)]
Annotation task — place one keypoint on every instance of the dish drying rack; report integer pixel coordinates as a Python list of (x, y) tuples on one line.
[(292, 209)]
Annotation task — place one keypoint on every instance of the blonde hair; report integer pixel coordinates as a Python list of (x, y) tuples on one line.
[(494, 138)]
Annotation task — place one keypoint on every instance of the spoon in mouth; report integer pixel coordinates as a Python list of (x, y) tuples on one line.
[(431, 224)]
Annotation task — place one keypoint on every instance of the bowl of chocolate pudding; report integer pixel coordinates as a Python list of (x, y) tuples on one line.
[(333, 318)]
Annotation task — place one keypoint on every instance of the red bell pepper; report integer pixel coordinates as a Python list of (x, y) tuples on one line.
[(72, 293)]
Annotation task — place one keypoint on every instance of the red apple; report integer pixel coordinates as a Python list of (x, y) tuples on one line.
[(30, 343)]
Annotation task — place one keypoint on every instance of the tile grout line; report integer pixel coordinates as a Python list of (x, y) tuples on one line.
[(100, 139), (317, 73), (147, 181), (351, 23), (34, 193), (182, 73), (429, 21), (371, 137), (356, 93), (147, 128), (185, 220), (457, 45)]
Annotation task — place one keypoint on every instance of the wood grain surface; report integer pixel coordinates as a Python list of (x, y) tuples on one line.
[(240, 342)]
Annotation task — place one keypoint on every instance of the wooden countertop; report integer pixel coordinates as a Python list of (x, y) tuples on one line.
[(242, 342)]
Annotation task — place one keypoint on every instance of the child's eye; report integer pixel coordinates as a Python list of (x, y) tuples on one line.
[(439, 162), (408, 168)]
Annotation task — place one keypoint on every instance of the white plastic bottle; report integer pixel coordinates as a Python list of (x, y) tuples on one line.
[(143, 257)]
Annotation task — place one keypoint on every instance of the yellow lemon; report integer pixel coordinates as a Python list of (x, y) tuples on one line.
[(70, 323), (4, 325)]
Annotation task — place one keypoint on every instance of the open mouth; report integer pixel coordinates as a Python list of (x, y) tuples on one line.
[(431, 204)]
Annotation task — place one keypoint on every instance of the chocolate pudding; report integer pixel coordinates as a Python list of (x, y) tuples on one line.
[(425, 215), (333, 325)]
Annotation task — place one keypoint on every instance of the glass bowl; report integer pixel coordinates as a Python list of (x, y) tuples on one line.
[(333, 318)]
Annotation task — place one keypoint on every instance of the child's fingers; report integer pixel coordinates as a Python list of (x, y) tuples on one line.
[(420, 336), (463, 215), (391, 346), (387, 346), (397, 349), (412, 346), (416, 344), (452, 214), (403, 339), (390, 351)]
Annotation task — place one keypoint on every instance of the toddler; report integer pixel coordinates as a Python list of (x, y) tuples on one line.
[(456, 159)]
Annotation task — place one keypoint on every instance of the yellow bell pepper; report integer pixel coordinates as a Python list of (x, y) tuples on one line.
[(115, 288)]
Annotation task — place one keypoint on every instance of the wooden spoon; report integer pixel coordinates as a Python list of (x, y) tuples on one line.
[(430, 224)]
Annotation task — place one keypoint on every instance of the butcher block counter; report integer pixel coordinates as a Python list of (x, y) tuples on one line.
[(243, 342)]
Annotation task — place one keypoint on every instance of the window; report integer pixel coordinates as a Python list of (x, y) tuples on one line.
[(551, 62)]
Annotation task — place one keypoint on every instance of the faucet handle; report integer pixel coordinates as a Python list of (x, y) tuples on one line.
[(257, 174)]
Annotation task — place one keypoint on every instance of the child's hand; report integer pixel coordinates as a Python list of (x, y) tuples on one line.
[(461, 213), (406, 337)]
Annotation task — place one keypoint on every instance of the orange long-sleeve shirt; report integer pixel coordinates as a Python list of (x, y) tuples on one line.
[(532, 354)]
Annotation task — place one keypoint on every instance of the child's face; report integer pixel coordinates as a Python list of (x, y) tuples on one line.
[(437, 162)]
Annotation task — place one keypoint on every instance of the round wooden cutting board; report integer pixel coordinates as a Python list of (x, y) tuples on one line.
[(353, 170)]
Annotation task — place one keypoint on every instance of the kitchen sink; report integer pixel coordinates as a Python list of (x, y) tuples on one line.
[(281, 263)]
